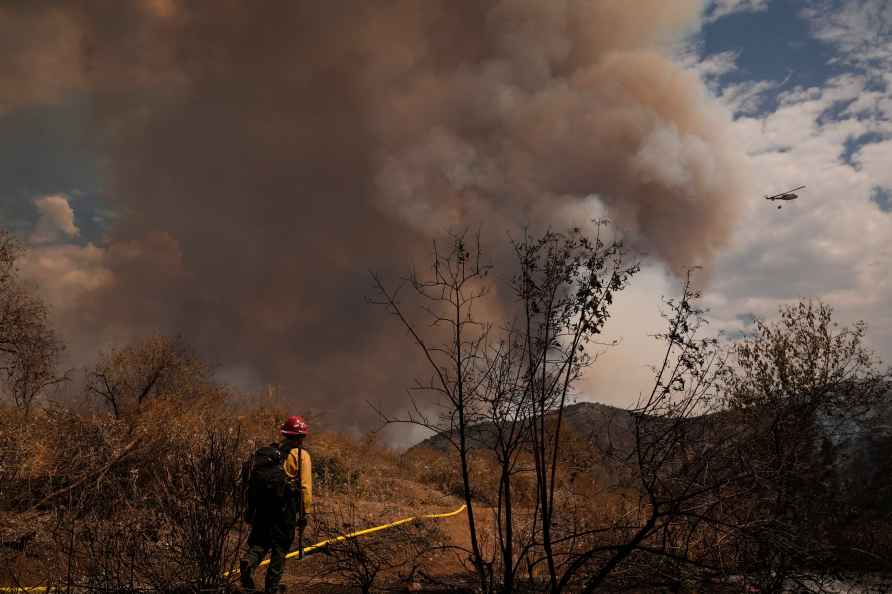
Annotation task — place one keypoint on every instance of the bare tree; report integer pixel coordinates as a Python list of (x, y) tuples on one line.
[(565, 286), (668, 485), (454, 352), (506, 432), (29, 347), (127, 379), (722, 453), (517, 380)]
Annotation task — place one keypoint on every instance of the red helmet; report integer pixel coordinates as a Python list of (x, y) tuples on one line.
[(294, 427)]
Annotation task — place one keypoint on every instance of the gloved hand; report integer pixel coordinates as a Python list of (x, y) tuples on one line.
[(302, 521)]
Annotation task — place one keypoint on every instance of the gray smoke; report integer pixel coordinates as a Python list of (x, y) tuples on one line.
[(262, 156)]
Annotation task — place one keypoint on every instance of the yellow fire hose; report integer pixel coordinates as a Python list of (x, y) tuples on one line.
[(322, 544), (306, 550)]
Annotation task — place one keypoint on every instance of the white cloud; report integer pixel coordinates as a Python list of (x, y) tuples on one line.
[(740, 98), (56, 220), (746, 98), (861, 32), (717, 65), (716, 9), (710, 68), (833, 243), (860, 29), (873, 160)]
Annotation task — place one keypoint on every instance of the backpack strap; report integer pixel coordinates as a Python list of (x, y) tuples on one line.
[(300, 486), (286, 450)]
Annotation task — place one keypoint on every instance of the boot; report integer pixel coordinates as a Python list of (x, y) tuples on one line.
[(245, 577), (277, 589)]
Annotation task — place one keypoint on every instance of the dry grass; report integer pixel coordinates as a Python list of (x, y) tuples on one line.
[(89, 499), (81, 497)]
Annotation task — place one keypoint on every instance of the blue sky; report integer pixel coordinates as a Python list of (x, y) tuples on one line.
[(774, 44), (808, 90), (789, 44)]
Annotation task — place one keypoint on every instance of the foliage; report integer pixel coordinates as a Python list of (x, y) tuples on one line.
[(806, 389)]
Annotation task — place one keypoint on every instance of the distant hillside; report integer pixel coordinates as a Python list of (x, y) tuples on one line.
[(861, 447), (605, 426)]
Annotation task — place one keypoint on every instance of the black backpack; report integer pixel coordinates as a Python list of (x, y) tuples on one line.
[(264, 481)]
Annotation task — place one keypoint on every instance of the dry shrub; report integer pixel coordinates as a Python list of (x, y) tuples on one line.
[(440, 471), (108, 554), (138, 503), (15, 454), (147, 500), (195, 493), (52, 450), (396, 554), (126, 380), (359, 467)]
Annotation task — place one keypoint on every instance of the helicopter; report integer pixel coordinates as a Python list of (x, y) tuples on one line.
[(785, 196)]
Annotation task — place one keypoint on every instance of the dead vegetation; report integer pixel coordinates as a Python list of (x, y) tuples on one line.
[(29, 346), (150, 500), (396, 555), (746, 466), (716, 478)]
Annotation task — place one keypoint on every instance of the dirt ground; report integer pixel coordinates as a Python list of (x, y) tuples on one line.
[(438, 571)]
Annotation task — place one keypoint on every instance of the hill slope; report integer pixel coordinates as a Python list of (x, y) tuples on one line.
[(599, 424)]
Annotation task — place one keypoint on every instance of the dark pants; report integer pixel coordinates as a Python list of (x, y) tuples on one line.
[(273, 537)]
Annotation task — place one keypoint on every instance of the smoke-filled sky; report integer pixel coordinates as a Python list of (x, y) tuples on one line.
[(230, 171)]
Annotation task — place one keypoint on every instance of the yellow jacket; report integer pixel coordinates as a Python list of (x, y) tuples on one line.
[(306, 475)]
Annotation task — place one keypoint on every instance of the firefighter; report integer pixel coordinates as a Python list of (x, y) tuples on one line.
[(273, 522)]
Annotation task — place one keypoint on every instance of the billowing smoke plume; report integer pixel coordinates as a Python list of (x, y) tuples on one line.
[(261, 156)]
